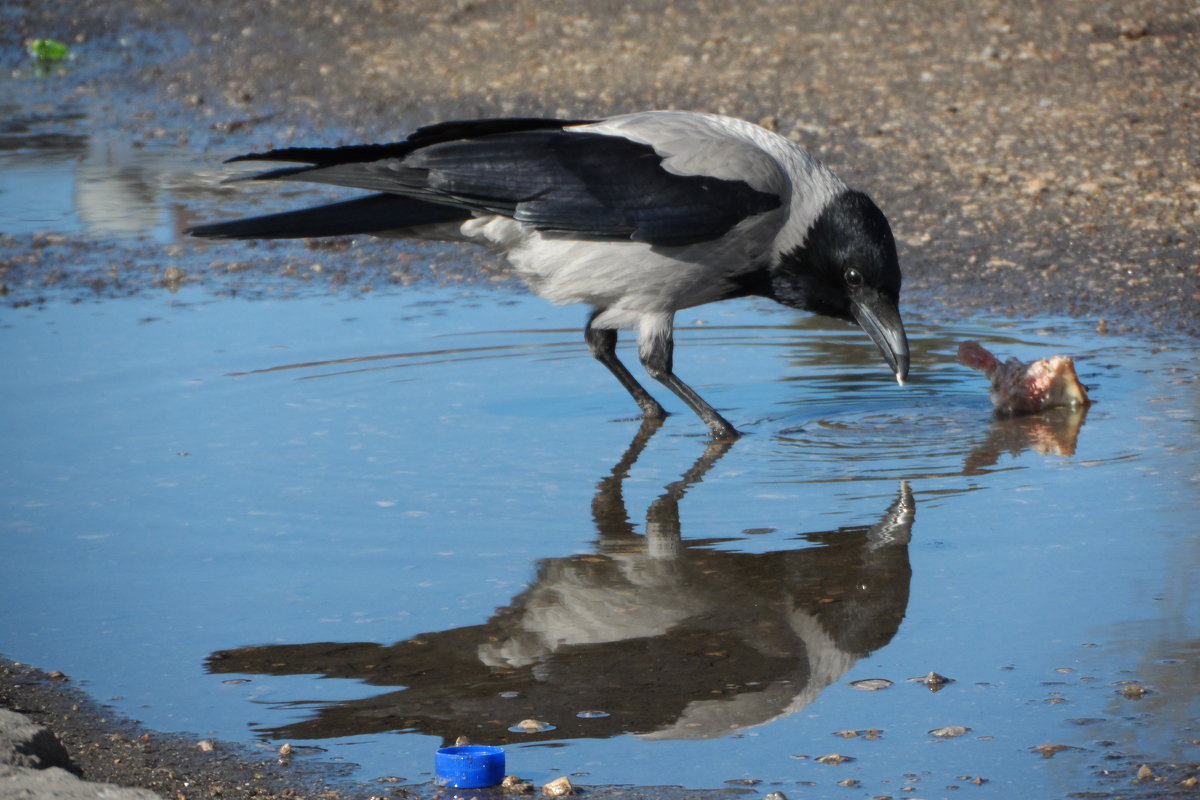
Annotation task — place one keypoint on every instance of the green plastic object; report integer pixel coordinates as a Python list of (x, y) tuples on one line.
[(48, 50)]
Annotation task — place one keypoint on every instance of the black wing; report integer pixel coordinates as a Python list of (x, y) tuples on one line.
[(579, 183), (376, 213)]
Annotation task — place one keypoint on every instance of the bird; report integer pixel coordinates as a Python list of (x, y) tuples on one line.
[(637, 215)]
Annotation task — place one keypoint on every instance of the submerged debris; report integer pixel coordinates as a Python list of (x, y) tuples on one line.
[(933, 681), (950, 731), (1049, 750), (869, 734), (871, 684), (1134, 691)]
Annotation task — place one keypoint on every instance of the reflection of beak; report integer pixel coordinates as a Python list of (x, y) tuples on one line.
[(879, 316)]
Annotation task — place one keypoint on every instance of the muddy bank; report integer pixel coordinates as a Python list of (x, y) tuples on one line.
[(105, 748), (1035, 162)]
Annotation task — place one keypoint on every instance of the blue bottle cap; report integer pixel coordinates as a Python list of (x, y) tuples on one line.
[(471, 766)]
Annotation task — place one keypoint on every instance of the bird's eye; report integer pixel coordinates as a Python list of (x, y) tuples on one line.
[(854, 277)]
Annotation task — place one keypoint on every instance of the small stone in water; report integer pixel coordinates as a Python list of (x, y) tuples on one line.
[(1048, 750), (592, 714), (871, 684), (949, 732), (531, 726), (775, 796), (205, 745), (559, 787), (462, 741), (869, 733), (286, 750), (834, 758), (513, 783), (933, 681), (1133, 692)]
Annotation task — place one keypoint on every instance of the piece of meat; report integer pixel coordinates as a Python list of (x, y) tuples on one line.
[(1020, 388)]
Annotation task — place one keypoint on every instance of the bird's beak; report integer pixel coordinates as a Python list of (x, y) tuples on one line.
[(879, 316)]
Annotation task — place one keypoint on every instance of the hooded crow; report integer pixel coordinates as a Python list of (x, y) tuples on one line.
[(638, 215)]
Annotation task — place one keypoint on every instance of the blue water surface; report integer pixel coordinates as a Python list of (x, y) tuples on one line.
[(365, 524)]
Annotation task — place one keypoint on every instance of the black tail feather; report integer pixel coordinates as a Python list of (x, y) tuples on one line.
[(421, 137), (372, 214)]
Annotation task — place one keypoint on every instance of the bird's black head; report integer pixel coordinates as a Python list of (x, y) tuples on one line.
[(847, 268)]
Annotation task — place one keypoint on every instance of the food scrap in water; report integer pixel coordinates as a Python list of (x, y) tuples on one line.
[(1020, 388)]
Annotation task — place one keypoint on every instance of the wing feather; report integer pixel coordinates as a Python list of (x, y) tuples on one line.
[(575, 182)]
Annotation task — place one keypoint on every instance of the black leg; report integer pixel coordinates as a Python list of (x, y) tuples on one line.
[(656, 351), (602, 344)]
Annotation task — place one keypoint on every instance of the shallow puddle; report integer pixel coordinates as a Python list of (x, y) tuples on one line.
[(372, 525)]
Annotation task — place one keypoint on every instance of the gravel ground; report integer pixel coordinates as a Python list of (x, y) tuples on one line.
[(107, 748), (1034, 158)]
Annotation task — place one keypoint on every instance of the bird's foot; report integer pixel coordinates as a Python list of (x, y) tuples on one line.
[(722, 430)]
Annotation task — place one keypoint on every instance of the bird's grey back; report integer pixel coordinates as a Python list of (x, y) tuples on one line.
[(693, 143)]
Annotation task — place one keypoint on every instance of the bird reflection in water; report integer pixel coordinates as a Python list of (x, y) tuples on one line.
[(669, 637)]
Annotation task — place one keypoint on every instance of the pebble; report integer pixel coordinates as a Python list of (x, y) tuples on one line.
[(559, 787), (513, 783), (950, 732), (531, 726), (933, 681), (870, 734), (1049, 750), (834, 758)]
